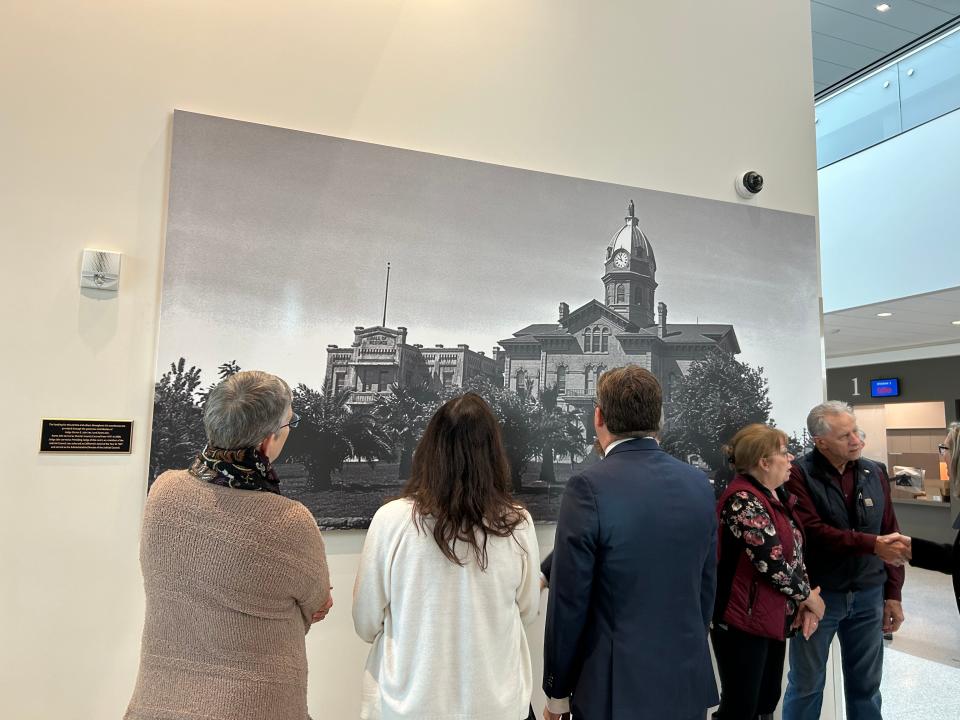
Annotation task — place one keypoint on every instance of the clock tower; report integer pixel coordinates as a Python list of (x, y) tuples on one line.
[(629, 280)]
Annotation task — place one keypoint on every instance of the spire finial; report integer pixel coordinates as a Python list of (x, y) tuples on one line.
[(630, 210)]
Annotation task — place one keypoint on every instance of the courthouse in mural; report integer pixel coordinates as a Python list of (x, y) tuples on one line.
[(627, 327), (380, 356)]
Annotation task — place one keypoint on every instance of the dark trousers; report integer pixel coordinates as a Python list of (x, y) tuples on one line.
[(751, 673), (940, 557)]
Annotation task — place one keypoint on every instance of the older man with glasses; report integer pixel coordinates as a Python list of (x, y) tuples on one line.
[(855, 553)]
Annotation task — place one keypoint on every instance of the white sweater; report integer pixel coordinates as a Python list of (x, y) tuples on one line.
[(448, 640)]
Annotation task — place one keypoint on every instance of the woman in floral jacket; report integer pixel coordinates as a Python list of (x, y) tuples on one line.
[(763, 593)]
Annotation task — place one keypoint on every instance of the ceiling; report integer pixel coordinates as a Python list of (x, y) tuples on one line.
[(917, 321), (849, 35)]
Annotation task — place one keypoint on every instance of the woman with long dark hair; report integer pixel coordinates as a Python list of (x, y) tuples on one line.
[(449, 576)]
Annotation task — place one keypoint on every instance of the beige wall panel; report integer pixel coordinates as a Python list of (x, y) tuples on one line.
[(915, 416)]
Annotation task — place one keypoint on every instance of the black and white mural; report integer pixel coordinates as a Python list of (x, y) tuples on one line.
[(379, 282)]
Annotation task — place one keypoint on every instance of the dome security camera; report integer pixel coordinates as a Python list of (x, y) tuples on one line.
[(748, 184)]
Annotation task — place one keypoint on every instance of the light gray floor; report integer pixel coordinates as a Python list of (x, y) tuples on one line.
[(932, 627), (921, 666)]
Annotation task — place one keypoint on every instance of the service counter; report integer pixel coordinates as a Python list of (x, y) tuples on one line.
[(925, 519)]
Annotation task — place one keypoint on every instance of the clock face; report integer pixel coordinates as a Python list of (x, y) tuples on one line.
[(621, 259)]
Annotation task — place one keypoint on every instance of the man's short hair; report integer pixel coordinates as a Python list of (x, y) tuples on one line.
[(631, 401), (817, 424), (244, 409)]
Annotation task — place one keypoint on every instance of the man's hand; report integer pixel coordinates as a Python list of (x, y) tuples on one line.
[(322, 612), (893, 548), (892, 616), (547, 715)]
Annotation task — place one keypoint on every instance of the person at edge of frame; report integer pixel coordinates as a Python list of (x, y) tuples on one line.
[(943, 557)]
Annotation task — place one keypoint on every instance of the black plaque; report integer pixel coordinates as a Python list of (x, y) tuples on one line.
[(85, 436)]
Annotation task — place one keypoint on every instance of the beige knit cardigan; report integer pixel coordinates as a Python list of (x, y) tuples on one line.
[(232, 578)]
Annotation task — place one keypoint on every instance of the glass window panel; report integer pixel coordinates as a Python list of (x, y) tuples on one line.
[(930, 82), (862, 115)]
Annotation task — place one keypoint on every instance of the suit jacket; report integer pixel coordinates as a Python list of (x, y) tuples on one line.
[(936, 556), (632, 583)]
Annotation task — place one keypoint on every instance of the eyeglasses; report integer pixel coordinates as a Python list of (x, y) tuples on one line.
[(294, 421), (944, 449)]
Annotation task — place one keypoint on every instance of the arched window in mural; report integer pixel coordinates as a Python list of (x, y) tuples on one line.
[(588, 340), (609, 294), (620, 292), (605, 340), (561, 379), (521, 381), (590, 380)]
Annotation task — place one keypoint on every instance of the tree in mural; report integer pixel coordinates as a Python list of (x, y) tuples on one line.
[(718, 396), (177, 419), (223, 372), (330, 433), (560, 433), (519, 418), (800, 444), (228, 369), (404, 414)]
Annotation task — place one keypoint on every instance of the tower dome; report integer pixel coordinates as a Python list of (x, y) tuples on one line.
[(631, 238)]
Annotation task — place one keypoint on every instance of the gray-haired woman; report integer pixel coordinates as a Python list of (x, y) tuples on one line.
[(234, 573), (937, 556)]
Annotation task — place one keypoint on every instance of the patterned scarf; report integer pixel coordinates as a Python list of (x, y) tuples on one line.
[(245, 469)]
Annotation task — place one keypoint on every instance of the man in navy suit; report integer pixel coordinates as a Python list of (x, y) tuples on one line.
[(633, 573)]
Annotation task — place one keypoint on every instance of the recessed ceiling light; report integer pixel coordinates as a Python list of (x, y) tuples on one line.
[(955, 322), (882, 7), (884, 314)]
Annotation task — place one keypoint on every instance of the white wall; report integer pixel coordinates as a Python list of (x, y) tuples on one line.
[(649, 94), (888, 218)]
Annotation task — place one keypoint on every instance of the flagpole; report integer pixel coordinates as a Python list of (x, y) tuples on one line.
[(386, 291)]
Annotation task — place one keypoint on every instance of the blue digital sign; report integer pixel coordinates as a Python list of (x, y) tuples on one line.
[(885, 387)]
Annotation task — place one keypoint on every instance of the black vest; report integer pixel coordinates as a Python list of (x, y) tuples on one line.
[(833, 570)]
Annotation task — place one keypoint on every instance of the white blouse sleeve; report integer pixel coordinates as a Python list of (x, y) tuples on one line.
[(371, 591), (528, 594)]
